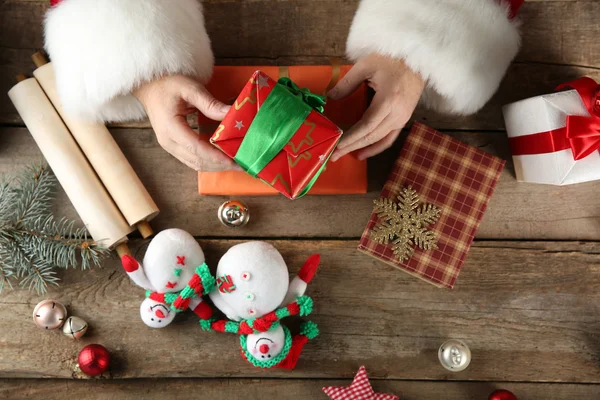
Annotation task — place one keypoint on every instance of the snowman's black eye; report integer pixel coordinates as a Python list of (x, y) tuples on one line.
[(151, 319), (269, 356), (159, 321), (262, 356)]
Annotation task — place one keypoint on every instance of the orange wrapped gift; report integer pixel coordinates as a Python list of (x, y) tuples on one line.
[(346, 176)]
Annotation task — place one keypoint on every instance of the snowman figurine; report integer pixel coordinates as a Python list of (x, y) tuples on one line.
[(254, 292), (174, 275)]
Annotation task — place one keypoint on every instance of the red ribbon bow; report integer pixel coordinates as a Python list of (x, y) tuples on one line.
[(581, 134)]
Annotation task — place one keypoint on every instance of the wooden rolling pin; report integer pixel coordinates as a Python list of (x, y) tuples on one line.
[(95, 207), (105, 156)]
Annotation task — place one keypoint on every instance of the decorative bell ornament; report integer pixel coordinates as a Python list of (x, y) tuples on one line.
[(49, 314), (75, 327), (454, 355), (233, 214)]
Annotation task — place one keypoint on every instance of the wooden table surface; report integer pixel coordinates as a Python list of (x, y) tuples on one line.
[(527, 301)]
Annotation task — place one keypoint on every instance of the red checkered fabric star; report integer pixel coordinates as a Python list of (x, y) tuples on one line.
[(359, 390)]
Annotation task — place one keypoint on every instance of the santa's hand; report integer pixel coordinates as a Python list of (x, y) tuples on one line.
[(398, 90), (168, 101)]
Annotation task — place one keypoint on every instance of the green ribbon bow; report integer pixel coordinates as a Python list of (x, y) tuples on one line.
[(314, 100), (279, 118)]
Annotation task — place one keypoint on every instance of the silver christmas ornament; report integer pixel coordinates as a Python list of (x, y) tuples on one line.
[(233, 214), (454, 355), (49, 314), (75, 327)]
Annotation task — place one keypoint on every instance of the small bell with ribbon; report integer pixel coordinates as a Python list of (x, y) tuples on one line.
[(277, 132), (555, 138)]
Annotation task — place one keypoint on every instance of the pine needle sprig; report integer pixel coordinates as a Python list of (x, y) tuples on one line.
[(33, 244)]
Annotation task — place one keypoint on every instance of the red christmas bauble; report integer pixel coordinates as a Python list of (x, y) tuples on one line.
[(93, 360), (502, 395)]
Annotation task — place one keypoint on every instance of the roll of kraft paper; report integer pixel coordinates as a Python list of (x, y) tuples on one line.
[(107, 159), (95, 207)]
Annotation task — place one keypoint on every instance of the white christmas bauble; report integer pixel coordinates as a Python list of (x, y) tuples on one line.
[(156, 314), (267, 345), (171, 260), (252, 280)]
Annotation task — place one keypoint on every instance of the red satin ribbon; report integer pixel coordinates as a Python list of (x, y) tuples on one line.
[(581, 134)]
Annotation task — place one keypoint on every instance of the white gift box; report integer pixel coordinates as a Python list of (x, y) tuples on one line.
[(542, 114)]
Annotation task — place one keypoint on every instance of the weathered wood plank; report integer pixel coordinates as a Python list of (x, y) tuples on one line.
[(527, 310), (569, 39), (249, 389), (292, 28), (516, 211)]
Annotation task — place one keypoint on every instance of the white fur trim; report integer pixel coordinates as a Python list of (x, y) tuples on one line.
[(103, 49), (462, 48)]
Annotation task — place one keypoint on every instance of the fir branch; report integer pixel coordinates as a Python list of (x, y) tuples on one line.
[(36, 189), (33, 244), (4, 276)]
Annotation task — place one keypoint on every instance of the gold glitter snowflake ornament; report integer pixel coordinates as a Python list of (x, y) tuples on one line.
[(404, 223)]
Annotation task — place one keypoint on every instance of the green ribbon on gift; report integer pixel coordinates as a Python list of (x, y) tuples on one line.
[(278, 119), (314, 100)]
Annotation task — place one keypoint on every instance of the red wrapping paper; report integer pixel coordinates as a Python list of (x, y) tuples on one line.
[(293, 167)]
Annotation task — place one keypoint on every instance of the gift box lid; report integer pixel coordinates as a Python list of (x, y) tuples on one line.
[(451, 177)]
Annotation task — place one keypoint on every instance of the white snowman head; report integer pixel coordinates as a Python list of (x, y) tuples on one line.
[(156, 314), (169, 264), (266, 346), (171, 260), (252, 280)]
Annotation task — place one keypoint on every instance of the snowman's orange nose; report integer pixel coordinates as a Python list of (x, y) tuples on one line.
[(263, 348), (160, 314)]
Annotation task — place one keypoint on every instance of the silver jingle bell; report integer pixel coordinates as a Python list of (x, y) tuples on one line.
[(454, 355), (75, 327), (233, 214)]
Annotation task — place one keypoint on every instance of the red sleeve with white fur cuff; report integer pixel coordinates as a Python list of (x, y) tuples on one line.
[(461, 48), (102, 50)]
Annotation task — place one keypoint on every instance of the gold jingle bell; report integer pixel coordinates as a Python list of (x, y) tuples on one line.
[(75, 327), (49, 314), (233, 214)]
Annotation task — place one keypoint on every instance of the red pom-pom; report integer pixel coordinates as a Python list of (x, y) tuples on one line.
[(94, 360), (130, 264), (502, 395)]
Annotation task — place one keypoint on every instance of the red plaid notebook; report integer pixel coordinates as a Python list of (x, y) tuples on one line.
[(444, 187)]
